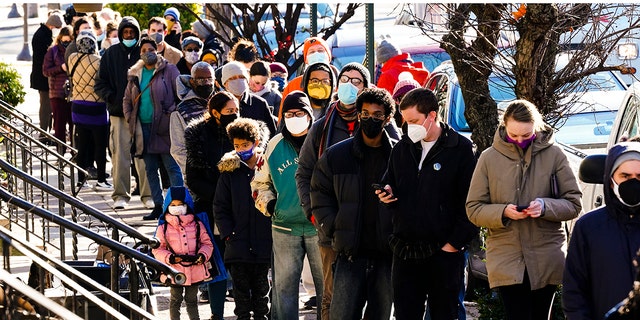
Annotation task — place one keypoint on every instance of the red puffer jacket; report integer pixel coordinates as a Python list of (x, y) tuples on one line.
[(395, 65)]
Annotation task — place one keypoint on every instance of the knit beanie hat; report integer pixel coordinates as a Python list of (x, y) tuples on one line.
[(386, 50), (358, 67), (55, 20), (313, 41), (297, 100), (86, 42), (201, 29), (405, 84), (171, 11), (278, 67), (626, 156), (233, 68)]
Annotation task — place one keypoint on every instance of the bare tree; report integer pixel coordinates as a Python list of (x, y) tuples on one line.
[(543, 31), (239, 20)]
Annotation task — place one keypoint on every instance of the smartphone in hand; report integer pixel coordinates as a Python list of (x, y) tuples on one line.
[(377, 186), (521, 208)]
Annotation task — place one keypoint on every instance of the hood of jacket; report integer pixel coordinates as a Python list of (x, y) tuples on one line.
[(230, 161), (128, 21), (544, 139), (610, 199), (184, 89), (135, 72)]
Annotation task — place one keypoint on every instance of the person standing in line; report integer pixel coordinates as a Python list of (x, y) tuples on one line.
[(149, 100), (280, 75), (261, 85), (522, 190), (110, 86), (55, 69), (245, 230), (599, 271), (425, 187), (346, 208), (339, 123), (174, 30), (294, 237), (157, 29), (319, 83), (42, 39)]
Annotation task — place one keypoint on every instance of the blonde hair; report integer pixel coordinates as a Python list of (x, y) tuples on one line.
[(523, 111)]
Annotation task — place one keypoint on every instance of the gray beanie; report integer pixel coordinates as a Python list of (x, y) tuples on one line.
[(201, 29), (233, 68), (55, 20), (626, 156), (386, 50), (358, 67)]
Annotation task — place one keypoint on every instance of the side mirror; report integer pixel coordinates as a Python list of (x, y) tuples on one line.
[(592, 169)]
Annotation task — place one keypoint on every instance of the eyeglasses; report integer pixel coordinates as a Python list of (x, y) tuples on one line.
[(297, 114), (378, 116), (192, 50), (354, 81), (203, 81), (315, 81)]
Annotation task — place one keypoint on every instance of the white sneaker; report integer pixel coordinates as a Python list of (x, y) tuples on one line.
[(149, 204), (103, 186), (119, 204)]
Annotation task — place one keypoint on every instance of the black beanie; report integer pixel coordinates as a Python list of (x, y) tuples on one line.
[(297, 100), (358, 67)]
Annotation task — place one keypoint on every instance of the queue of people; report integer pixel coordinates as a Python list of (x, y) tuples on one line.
[(367, 183)]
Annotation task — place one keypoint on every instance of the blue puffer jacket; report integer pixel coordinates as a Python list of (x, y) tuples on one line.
[(599, 270)]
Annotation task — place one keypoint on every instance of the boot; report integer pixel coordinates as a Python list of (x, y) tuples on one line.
[(155, 214)]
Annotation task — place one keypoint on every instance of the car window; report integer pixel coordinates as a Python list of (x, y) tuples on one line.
[(629, 122), (430, 59), (439, 84), (587, 129)]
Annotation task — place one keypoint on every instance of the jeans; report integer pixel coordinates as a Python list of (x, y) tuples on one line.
[(218, 290), (437, 278), (250, 289), (190, 298), (288, 258), (151, 162), (520, 302), (357, 281), (120, 146)]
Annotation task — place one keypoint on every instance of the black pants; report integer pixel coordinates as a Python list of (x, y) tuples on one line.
[(437, 278), (250, 289), (91, 142), (522, 303)]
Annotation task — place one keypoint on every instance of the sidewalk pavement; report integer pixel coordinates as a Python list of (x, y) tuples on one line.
[(15, 23)]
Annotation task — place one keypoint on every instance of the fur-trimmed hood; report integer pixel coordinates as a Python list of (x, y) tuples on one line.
[(231, 161), (135, 72)]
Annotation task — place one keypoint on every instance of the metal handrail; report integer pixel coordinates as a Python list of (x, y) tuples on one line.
[(36, 296), (38, 256), (177, 276)]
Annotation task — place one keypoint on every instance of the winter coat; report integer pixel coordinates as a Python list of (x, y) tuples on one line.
[(273, 181), (163, 95), (112, 77), (337, 191), (206, 143), (430, 208), (334, 129), (52, 69), (246, 231), (87, 108), (42, 39), (272, 96), (507, 175), (179, 234), (599, 271), (254, 107), (172, 54), (191, 107), (395, 65)]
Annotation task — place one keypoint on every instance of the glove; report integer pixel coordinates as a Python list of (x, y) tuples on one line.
[(201, 259), (173, 259), (271, 206)]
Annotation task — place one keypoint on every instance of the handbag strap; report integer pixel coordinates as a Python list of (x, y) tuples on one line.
[(75, 65)]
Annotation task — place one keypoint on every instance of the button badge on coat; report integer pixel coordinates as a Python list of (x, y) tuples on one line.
[(436, 166)]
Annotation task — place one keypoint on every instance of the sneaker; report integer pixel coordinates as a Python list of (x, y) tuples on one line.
[(149, 204), (84, 185), (204, 297), (311, 303), (119, 204), (103, 186)]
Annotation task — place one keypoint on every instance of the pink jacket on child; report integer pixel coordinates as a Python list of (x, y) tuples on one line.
[(181, 236)]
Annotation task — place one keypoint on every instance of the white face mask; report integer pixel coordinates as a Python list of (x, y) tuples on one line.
[(114, 40), (237, 87), (296, 125), (178, 210), (417, 132), (192, 57)]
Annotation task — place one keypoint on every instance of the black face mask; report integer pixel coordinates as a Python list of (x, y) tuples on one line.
[(371, 127), (225, 119), (203, 92), (65, 43), (629, 192)]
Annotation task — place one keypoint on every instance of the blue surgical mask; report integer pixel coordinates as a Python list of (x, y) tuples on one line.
[(129, 43), (245, 155), (347, 93), (317, 57), (101, 37)]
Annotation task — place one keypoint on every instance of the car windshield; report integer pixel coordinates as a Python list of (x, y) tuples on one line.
[(586, 130), (500, 92)]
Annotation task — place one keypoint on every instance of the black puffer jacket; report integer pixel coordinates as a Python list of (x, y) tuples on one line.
[(337, 192), (431, 202), (114, 65)]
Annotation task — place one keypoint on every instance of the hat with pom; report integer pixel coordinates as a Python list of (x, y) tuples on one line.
[(405, 84), (386, 50)]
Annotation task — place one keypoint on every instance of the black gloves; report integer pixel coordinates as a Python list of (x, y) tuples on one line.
[(173, 259), (201, 259), (271, 206)]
